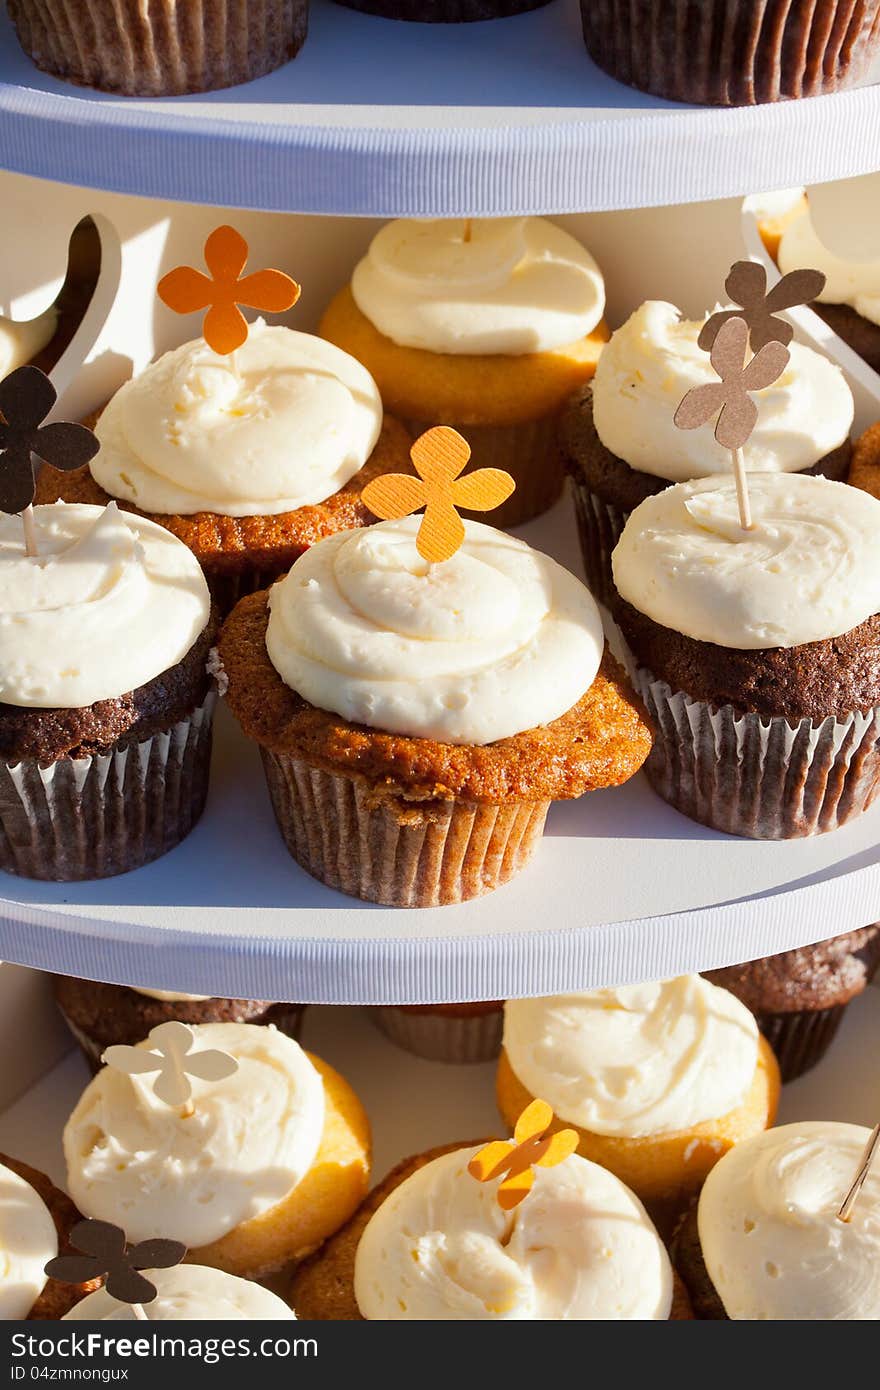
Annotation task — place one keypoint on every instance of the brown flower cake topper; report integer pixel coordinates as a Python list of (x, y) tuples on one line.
[(746, 286), (440, 456), (532, 1147), (172, 1057), (186, 290), (105, 1254), (867, 1159)]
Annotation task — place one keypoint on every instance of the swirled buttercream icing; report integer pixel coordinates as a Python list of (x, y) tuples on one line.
[(653, 360), (856, 283), (580, 1247), (108, 603), (771, 1239), (493, 641), (28, 1240), (637, 1060), (253, 1137), (281, 423), (188, 1292), (808, 570), (520, 284)]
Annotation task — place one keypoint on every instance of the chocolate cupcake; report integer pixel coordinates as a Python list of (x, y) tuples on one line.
[(160, 48), (466, 1033), (620, 445), (106, 702), (36, 1219), (799, 997), (100, 1015), (733, 52), (443, 11)]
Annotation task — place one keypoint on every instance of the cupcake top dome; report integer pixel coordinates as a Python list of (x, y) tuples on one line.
[(853, 282), (653, 360), (253, 1136), (506, 286), (809, 569), (636, 1060), (28, 1240), (580, 1247), (283, 422), (771, 1239), (197, 1293), (108, 603), (496, 640)]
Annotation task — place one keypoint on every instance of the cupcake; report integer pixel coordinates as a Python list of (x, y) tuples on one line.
[(620, 444), (443, 11), (757, 652), (416, 720), (432, 1243), (659, 1080), (273, 1159), (160, 48), (247, 458), (733, 52), (189, 1293), (100, 1015), (443, 1032), (486, 325), (106, 702), (36, 1219), (799, 997), (765, 1241)]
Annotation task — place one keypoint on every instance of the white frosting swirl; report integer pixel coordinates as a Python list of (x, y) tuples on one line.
[(808, 570), (109, 602), (579, 1248), (637, 1060), (856, 283), (282, 423), (771, 1240), (498, 639), (139, 1163), (28, 1240), (20, 342), (653, 360), (170, 996), (519, 285), (195, 1292)]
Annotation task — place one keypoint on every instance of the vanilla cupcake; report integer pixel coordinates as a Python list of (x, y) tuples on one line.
[(659, 1080), (247, 458), (189, 1293), (620, 443), (274, 1158), (486, 325)]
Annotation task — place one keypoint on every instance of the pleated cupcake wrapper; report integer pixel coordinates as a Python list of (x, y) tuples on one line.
[(442, 1037), (600, 525), (733, 52), (403, 854), (761, 778), (85, 818), (443, 11), (528, 452), (227, 589), (160, 47), (800, 1040)]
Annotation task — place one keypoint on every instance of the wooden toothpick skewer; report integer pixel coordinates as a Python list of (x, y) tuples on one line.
[(468, 229), (30, 531), (140, 1314), (851, 1197), (742, 490)]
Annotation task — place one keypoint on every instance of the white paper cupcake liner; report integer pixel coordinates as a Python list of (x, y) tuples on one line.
[(600, 525), (439, 1037)]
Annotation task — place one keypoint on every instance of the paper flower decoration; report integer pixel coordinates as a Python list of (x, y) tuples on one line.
[(439, 456), (730, 395), (26, 397), (106, 1255), (186, 290), (746, 286), (171, 1056), (532, 1147)]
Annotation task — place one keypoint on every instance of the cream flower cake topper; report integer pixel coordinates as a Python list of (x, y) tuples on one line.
[(531, 1147), (172, 1058)]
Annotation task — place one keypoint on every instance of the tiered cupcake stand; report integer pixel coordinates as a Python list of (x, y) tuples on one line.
[(375, 120)]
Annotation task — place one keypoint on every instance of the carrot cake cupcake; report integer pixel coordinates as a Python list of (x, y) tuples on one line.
[(620, 443), (417, 720), (247, 458), (189, 1293), (486, 325), (273, 1158), (36, 1219)]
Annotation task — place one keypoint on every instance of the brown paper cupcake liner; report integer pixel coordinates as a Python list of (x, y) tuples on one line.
[(288, 1021), (600, 525), (227, 589), (442, 1037), (733, 52), (84, 818), (153, 48), (390, 851), (528, 452), (801, 1039), (443, 11), (764, 779)]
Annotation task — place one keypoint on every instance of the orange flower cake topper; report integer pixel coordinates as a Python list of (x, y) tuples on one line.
[(440, 456), (186, 290), (531, 1147)]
